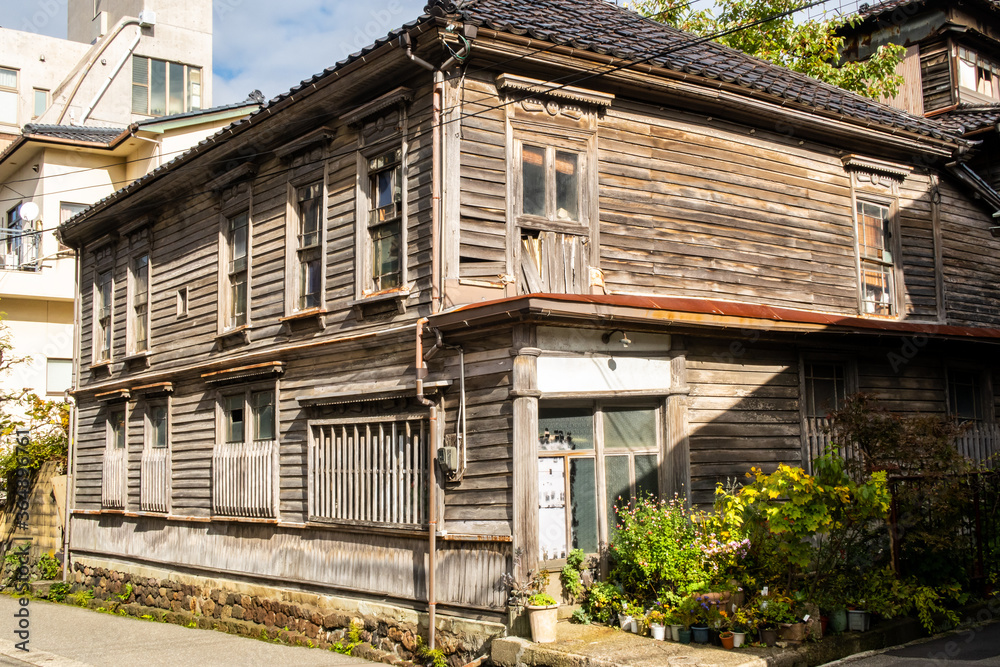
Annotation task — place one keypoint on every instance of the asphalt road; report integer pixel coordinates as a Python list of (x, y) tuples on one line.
[(66, 636), (974, 647)]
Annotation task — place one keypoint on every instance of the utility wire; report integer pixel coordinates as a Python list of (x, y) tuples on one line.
[(588, 74)]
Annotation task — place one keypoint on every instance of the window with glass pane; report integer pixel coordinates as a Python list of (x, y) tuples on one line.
[(117, 425), (965, 397), (978, 73), (309, 203), (8, 96), (160, 87), (262, 406), (40, 102), (158, 426), (58, 375), (238, 246), (573, 456), (550, 182), (825, 388), (103, 299), (875, 250), (140, 303), (385, 177), (233, 412)]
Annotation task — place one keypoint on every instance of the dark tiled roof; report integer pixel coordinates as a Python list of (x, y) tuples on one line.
[(598, 26), (970, 118), (96, 135), (879, 8)]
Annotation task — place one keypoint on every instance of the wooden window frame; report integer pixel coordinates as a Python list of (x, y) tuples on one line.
[(264, 498), (364, 287), (247, 392), (155, 466), (597, 408), (324, 462), (982, 65), (812, 425), (982, 386), (890, 204), (103, 311), (552, 140), (34, 102), (296, 254), (133, 303), (227, 319), (115, 458)]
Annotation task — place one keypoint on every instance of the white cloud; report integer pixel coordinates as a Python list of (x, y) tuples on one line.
[(272, 46)]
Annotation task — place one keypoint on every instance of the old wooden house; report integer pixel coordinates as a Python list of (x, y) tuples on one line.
[(458, 293)]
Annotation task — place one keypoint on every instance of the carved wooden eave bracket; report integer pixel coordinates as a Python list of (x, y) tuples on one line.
[(269, 369), (320, 137), (113, 396), (554, 91), (859, 163), (396, 97), (243, 172), (154, 390)]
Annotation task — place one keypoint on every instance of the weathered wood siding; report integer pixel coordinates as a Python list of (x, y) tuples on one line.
[(743, 410)]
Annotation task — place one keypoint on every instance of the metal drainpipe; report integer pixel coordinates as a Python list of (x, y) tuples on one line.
[(431, 481), (111, 77), (421, 369), (74, 421)]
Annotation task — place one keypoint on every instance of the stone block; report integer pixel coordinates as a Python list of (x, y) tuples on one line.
[(238, 611)]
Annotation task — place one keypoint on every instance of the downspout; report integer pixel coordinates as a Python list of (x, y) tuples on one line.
[(421, 368), (73, 418), (111, 77), (93, 59), (431, 481)]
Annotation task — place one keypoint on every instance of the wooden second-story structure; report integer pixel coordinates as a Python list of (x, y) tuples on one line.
[(461, 291)]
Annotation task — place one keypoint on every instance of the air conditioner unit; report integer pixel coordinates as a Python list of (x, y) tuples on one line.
[(147, 18)]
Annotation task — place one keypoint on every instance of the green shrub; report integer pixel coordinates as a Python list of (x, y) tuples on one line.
[(570, 575), (602, 602), (59, 591), (48, 567)]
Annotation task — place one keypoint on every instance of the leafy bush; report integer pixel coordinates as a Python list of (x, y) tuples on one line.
[(353, 639), (48, 567), (603, 601), (59, 591), (570, 575)]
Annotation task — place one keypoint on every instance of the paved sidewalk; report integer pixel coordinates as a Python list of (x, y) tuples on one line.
[(66, 636)]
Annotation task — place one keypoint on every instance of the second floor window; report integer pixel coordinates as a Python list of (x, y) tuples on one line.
[(309, 204), (103, 295), (161, 88), (978, 73), (878, 289), (8, 96), (550, 180), (385, 197), (238, 240), (249, 417), (139, 316)]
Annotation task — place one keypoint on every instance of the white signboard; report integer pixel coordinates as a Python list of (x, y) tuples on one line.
[(600, 372)]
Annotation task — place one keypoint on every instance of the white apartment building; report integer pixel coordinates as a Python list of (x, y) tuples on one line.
[(80, 118)]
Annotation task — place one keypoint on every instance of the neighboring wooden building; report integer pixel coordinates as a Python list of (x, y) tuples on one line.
[(586, 256)]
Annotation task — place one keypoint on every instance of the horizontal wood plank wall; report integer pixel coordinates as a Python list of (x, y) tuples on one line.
[(482, 503), (971, 270), (916, 229), (743, 410), (906, 379), (483, 242), (703, 208), (395, 566)]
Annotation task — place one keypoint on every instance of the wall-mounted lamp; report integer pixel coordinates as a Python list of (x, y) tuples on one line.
[(625, 341)]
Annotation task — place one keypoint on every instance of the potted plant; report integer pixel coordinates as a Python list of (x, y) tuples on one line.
[(657, 623), (626, 619), (746, 620), (521, 590), (543, 612), (725, 627), (686, 614), (673, 621), (699, 629), (858, 619)]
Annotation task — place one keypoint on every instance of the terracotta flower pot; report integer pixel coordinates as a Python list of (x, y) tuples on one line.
[(727, 639), (543, 623)]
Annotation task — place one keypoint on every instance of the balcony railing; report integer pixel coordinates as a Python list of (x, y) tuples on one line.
[(243, 477), (19, 250), (154, 475), (114, 487)]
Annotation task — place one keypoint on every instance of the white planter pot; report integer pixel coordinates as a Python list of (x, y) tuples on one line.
[(738, 639), (675, 631), (628, 623), (658, 632), (543, 623)]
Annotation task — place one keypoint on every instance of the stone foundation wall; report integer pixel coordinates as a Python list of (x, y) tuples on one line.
[(390, 634)]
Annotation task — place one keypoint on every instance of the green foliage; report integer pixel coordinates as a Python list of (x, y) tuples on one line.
[(353, 639), (127, 593), (541, 600), (580, 616), (432, 657), (522, 588), (48, 567), (84, 597), (811, 46), (603, 601), (570, 574), (59, 591), (656, 547)]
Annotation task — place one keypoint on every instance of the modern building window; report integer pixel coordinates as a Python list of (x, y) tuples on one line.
[(875, 250), (40, 102), (68, 209), (965, 395), (578, 447), (238, 272), (385, 220), (550, 180), (161, 88), (58, 376), (139, 304), (369, 471), (978, 73), (309, 246), (103, 299), (8, 96)]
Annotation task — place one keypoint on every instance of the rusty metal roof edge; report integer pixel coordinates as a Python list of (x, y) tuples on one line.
[(720, 313)]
